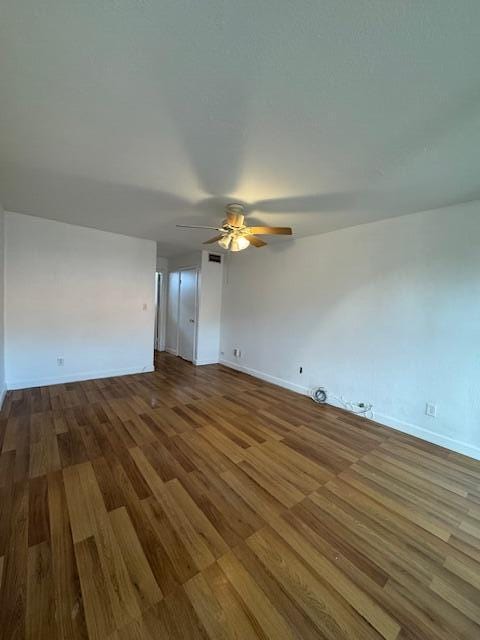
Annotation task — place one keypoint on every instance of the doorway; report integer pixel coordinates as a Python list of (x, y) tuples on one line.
[(187, 314), (158, 338)]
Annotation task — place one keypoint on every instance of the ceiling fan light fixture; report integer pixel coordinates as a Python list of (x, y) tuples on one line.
[(225, 241), (239, 243), (235, 234)]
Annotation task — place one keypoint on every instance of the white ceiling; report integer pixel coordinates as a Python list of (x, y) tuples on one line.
[(134, 115)]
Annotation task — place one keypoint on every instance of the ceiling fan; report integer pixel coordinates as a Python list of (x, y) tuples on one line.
[(234, 233)]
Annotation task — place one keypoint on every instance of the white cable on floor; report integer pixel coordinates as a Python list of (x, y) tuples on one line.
[(320, 396)]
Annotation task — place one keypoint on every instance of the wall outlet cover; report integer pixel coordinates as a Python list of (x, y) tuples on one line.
[(431, 410)]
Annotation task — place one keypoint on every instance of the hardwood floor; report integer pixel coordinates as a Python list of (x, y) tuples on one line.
[(202, 503)]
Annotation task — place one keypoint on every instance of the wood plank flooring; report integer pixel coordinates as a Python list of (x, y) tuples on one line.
[(202, 503)]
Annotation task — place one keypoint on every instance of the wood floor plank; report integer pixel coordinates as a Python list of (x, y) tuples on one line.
[(183, 565), (209, 609), (119, 585), (467, 570), (175, 618), (357, 597), (111, 491), (446, 622), (221, 442), (69, 613), (7, 468), (13, 592), (272, 481), (405, 508), (321, 529), (367, 526), (141, 576), (459, 594), (150, 538), (98, 609), (38, 516), (135, 630), (293, 475), (330, 614), (44, 454), (179, 519), (253, 494), (40, 594), (199, 502), (271, 621), (10, 435), (81, 519), (200, 522), (276, 590), (239, 618)]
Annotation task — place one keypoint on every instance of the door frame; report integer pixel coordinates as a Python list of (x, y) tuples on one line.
[(160, 310), (195, 330)]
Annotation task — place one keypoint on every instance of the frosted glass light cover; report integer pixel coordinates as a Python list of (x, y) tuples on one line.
[(240, 243)]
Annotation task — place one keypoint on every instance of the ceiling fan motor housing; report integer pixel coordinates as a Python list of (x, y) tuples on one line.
[(235, 216), (236, 208)]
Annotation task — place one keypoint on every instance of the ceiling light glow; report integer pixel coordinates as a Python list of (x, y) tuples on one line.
[(239, 243), (225, 241)]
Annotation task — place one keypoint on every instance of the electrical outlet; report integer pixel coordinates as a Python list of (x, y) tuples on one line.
[(60, 361), (300, 370), (431, 410), (237, 352)]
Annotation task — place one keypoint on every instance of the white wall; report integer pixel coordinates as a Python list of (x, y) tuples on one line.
[(191, 259), (3, 387), (209, 311), (162, 264), (76, 293), (387, 313), (171, 339)]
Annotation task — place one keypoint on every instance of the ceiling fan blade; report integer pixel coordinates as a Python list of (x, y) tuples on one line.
[(256, 242), (215, 239), (235, 219), (272, 231), (189, 226)]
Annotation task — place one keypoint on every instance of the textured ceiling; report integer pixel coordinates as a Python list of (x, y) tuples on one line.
[(131, 116)]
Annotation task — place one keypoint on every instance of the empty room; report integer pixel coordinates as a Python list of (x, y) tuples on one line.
[(239, 320)]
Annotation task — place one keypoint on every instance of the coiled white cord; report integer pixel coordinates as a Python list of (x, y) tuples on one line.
[(320, 396)]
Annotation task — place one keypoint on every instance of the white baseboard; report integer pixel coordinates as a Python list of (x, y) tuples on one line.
[(172, 351), (3, 393), (305, 391), (419, 432), (430, 436), (200, 363), (77, 377)]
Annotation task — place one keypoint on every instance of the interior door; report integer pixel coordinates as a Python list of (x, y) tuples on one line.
[(187, 314)]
